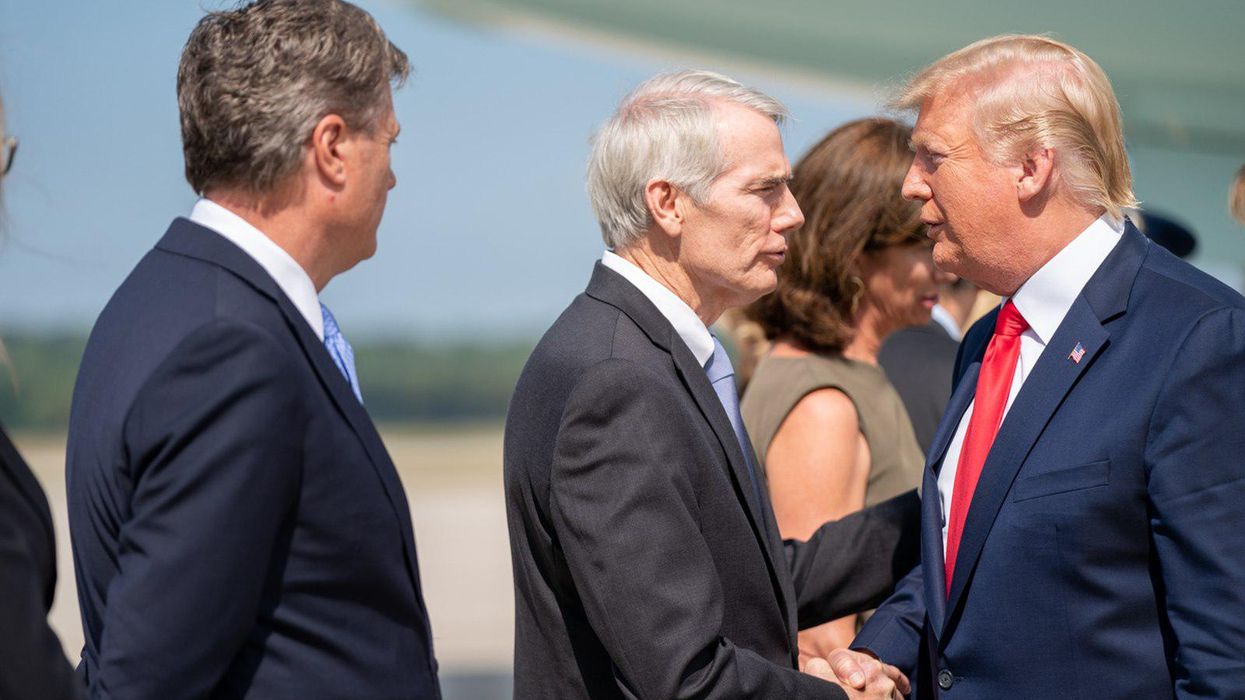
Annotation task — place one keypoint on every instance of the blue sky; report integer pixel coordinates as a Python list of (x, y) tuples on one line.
[(487, 233)]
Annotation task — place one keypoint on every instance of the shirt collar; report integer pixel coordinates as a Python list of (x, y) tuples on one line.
[(284, 270), (685, 321), (1045, 298), (944, 318)]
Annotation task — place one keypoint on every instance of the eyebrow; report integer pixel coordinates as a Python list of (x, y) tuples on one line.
[(772, 180), (925, 141)]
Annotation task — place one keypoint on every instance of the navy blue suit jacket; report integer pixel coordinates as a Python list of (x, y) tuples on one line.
[(1104, 551), (239, 530)]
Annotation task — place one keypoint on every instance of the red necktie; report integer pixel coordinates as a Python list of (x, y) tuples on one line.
[(993, 385)]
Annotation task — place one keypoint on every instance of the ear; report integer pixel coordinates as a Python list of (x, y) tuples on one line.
[(328, 146), (665, 204), (1036, 172)]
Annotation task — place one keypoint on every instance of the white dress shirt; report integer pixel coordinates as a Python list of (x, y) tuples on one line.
[(1043, 300), (284, 270), (944, 318), (685, 321)]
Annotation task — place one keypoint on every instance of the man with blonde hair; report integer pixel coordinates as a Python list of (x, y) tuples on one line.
[(1082, 529)]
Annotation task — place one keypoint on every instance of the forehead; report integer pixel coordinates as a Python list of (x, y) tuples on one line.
[(945, 118), (750, 141)]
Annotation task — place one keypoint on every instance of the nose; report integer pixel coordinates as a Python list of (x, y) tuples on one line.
[(941, 277), (914, 185), (789, 217)]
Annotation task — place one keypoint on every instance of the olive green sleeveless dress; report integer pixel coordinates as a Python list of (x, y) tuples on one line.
[(779, 383)]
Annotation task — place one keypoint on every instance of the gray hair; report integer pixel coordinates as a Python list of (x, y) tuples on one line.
[(664, 129), (254, 81)]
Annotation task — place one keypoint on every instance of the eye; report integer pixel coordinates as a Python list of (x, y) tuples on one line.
[(931, 157)]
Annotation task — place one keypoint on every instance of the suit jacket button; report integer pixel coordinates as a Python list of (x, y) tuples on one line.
[(945, 679)]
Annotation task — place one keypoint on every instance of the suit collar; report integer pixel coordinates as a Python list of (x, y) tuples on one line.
[(1057, 371), (192, 240), (612, 288), (1044, 299), (686, 323)]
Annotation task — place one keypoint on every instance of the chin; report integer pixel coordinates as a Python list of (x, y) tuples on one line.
[(948, 260)]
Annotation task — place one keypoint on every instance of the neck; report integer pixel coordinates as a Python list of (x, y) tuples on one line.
[(282, 219), (871, 331), (1044, 236), (664, 267)]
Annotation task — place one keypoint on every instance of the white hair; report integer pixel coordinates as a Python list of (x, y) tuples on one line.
[(663, 130)]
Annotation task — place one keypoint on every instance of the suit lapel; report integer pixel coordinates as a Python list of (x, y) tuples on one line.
[(932, 559), (188, 238), (1054, 376), (611, 288), (338, 389)]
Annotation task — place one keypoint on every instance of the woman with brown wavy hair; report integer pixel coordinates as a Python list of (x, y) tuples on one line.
[(829, 429)]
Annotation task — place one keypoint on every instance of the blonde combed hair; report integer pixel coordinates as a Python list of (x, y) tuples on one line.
[(1036, 92)]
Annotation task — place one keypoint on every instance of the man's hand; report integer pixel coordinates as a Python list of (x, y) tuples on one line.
[(861, 675)]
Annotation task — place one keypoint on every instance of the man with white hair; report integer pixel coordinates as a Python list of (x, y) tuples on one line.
[(646, 557), (1082, 528)]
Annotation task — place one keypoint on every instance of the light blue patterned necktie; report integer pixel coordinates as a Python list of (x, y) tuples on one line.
[(722, 377), (340, 350)]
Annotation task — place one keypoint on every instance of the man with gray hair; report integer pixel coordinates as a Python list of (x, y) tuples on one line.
[(646, 556), (1082, 529), (239, 530)]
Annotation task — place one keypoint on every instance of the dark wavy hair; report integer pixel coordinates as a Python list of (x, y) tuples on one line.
[(848, 186)]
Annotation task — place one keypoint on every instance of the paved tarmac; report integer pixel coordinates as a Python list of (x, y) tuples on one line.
[(453, 484)]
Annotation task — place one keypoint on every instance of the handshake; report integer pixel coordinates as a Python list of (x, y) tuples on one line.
[(860, 675)]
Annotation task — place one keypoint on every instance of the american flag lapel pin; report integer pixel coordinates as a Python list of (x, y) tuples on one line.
[(1077, 353)]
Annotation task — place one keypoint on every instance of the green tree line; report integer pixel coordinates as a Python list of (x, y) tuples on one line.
[(401, 381)]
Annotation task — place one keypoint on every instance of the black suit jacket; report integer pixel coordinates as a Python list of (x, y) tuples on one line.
[(238, 527), (919, 362), (32, 665), (644, 565)]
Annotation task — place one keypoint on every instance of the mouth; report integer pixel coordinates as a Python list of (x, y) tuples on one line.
[(928, 301), (775, 257)]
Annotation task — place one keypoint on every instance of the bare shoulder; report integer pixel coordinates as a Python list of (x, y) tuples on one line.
[(826, 407)]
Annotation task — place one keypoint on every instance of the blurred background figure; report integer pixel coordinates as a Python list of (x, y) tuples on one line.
[(1164, 230), (830, 431), (1236, 196), (32, 665), (919, 360)]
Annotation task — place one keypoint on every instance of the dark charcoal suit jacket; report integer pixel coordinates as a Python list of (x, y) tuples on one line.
[(239, 530), (919, 363), (1104, 551), (644, 565), (32, 664)]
